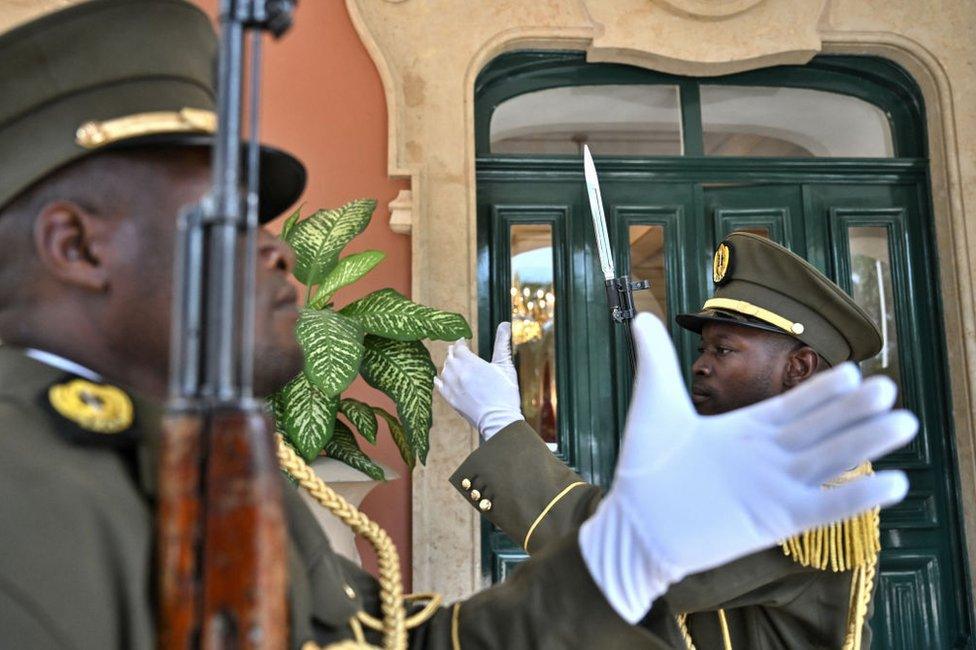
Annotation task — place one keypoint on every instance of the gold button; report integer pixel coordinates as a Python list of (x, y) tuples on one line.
[(349, 591), (485, 505), (475, 495), (465, 484)]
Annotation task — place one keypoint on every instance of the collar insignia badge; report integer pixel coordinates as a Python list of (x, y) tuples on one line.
[(99, 408)]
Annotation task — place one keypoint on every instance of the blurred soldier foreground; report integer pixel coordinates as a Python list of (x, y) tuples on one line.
[(105, 118)]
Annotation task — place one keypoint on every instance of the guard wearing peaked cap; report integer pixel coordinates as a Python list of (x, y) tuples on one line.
[(773, 322), (762, 285)]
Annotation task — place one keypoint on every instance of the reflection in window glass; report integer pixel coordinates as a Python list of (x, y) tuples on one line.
[(647, 263), (791, 122), (614, 120), (871, 287), (533, 326)]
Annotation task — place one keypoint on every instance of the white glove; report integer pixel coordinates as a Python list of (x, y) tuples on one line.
[(485, 394), (694, 492)]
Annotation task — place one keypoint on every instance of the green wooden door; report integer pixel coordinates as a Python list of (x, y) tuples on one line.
[(865, 223)]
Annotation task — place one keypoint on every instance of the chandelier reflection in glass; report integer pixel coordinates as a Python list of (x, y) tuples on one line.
[(533, 310)]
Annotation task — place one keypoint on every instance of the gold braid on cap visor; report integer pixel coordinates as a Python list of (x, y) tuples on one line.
[(92, 135), (743, 307)]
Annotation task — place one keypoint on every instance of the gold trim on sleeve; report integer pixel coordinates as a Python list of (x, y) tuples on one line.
[(724, 624), (545, 511), (455, 625), (747, 308), (95, 134)]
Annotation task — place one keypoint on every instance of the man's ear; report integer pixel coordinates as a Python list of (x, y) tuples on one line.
[(67, 245), (802, 364)]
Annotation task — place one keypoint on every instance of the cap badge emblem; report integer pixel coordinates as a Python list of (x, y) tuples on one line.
[(721, 263)]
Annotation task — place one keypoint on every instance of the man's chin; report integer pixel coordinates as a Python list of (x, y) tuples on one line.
[(276, 366), (706, 407)]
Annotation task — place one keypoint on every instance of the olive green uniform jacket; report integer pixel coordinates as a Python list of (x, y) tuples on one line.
[(769, 600), (76, 550)]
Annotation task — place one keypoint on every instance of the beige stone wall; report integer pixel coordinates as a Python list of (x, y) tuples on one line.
[(429, 52)]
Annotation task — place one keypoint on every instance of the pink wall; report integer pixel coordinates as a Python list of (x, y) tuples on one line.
[(323, 101)]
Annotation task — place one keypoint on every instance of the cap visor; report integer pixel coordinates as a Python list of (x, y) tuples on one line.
[(696, 322), (283, 176)]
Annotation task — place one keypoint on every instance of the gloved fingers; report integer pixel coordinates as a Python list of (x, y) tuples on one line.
[(458, 347), (875, 395), (822, 507), (867, 440), (659, 385), (463, 353), (818, 391), (447, 383), (502, 352), (659, 400), (439, 385)]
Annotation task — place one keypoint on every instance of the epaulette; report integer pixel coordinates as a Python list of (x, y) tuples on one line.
[(843, 545), (849, 545), (88, 412)]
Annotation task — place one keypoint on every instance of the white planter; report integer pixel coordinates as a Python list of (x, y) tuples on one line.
[(352, 485)]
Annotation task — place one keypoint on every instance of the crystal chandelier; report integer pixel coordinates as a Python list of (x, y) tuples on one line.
[(533, 309)]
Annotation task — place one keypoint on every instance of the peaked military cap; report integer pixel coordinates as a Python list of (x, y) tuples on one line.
[(107, 74), (762, 285)]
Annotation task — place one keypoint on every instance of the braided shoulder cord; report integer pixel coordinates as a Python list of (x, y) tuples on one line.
[(862, 588), (682, 620), (391, 584)]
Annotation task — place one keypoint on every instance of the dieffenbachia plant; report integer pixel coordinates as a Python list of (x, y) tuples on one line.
[(377, 336)]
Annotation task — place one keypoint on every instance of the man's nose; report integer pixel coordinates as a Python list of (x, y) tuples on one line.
[(274, 253), (701, 368)]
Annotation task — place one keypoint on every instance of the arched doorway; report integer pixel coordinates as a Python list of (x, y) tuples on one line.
[(827, 158)]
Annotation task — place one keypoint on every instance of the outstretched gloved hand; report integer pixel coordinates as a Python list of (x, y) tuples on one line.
[(692, 492), (485, 394)]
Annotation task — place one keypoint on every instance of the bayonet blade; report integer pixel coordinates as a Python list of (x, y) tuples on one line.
[(599, 219)]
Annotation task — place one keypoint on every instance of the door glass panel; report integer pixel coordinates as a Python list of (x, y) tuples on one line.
[(871, 287), (614, 120), (647, 262), (791, 122), (533, 326)]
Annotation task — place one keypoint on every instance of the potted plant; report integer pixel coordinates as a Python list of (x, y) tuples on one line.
[(378, 336)]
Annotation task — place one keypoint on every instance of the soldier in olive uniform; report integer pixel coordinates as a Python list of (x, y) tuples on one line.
[(775, 321), (106, 116)]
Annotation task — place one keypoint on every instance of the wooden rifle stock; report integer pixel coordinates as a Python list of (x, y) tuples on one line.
[(223, 577)]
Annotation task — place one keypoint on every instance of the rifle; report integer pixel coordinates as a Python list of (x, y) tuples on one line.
[(220, 523)]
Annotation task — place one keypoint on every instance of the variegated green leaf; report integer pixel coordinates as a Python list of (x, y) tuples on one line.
[(290, 223), (389, 314), (362, 417), (403, 370), (333, 347), (318, 240), (399, 436), (343, 447), (305, 416), (348, 270)]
